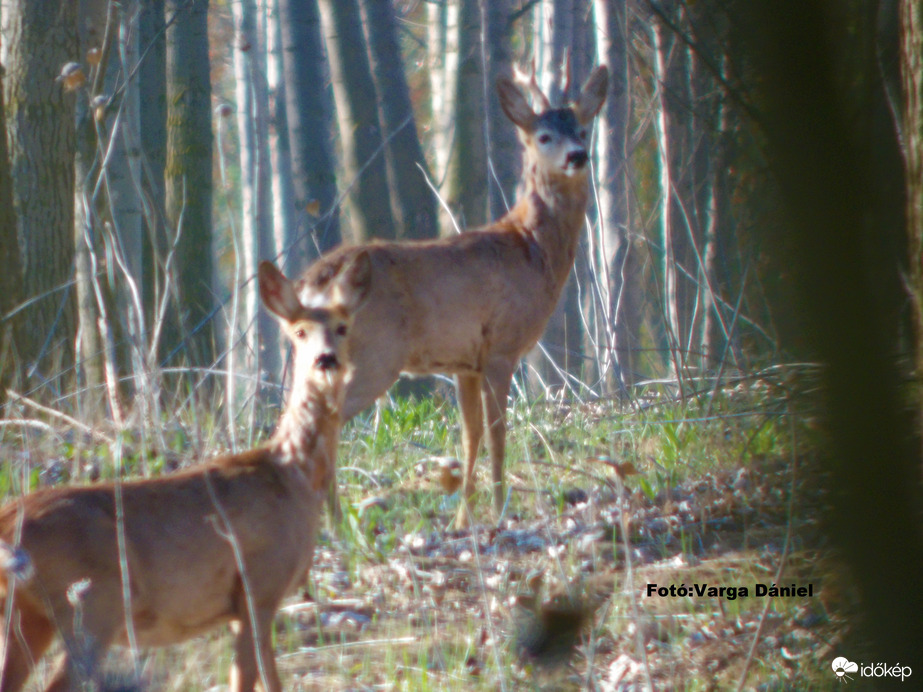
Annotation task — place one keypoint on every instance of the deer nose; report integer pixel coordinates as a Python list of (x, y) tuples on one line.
[(577, 158), (327, 361)]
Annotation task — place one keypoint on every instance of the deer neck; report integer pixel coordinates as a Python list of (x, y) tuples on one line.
[(552, 208), (309, 431)]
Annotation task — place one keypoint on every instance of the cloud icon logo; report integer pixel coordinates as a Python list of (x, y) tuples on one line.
[(842, 665)]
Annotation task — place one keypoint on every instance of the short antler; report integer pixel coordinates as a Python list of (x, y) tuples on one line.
[(529, 81), (568, 75)]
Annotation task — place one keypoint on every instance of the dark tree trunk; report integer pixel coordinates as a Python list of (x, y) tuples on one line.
[(152, 73), (10, 267), (413, 201), (504, 161), (820, 155), (188, 181), (308, 107), (911, 60), (364, 167), (42, 37)]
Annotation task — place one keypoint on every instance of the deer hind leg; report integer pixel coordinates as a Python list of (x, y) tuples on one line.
[(472, 415), (246, 671), (30, 634), (87, 633), (496, 389)]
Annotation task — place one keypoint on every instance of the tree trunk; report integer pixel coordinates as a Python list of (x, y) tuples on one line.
[(152, 73), (911, 59), (256, 238), (368, 197), (10, 268), (308, 106), (91, 349), (670, 297), (467, 167), (442, 52), (614, 259), (283, 194), (42, 37), (412, 199), (188, 181), (820, 159), (503, 149)]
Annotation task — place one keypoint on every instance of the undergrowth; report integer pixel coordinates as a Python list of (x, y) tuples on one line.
[(702, 485)]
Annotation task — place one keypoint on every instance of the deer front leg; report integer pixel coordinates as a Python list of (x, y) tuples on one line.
[(496, 389), (472, 415), (30, 634)]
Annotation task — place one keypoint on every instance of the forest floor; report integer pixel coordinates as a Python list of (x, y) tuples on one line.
[(619, 561)]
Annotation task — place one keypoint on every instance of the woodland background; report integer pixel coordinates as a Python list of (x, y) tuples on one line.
[(757, 200)]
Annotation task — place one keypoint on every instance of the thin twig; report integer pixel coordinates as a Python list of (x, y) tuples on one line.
[(73, 422)]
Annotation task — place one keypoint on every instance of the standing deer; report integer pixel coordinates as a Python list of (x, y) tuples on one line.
[(220, 542), (473, 304)]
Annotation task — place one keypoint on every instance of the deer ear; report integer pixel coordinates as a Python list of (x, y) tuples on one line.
[(277, 292), (514, 104), (592, 96), (354, 282)]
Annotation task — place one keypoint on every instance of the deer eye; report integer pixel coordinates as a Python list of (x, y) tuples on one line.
[(582, 133), (300, 333), (341, 330), (544, 138)]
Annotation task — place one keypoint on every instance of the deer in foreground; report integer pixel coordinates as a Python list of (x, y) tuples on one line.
[(221, 542), (473, 304)]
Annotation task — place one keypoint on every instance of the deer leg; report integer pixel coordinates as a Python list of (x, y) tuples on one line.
[(245, 672), (472, 415), (496, 389), (87, 629), (30, 634)]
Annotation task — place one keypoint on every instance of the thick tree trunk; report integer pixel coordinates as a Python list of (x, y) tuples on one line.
[(189, 181), (467, 167), (503, 151), (10, 268), (308, 106), (42, 37), (911, 58), (364, 166), (820, 160), (412, 199)]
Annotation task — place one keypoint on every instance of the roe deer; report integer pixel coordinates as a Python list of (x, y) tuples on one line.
[(220, 542), (471, 305)]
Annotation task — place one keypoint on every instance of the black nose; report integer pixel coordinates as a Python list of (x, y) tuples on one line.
[(577, 158), (326, 361)]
